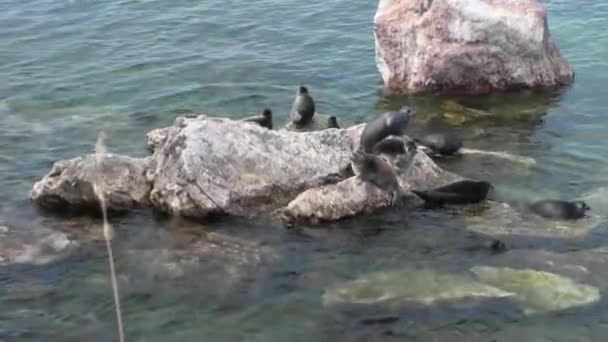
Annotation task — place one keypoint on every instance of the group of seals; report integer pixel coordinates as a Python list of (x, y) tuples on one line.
[(301, 114)]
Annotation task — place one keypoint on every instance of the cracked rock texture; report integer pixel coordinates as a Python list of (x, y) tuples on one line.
[(466, 46)]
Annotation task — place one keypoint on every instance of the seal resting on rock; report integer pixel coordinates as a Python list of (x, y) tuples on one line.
[(303, 108), (391, 146), (440, 143), (389, 123), (558, 209), (373, 169), (461, 192), (332, 122), (264, 120)]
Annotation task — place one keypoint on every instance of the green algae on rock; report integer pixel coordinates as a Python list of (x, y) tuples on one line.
[(538, 291), (421, 286)]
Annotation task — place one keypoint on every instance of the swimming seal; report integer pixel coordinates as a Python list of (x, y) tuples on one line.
[(303, 107), (332, 122), (264, 120), (461, 192), (373, 169), (441, 143), (389, 123), (558, 209)]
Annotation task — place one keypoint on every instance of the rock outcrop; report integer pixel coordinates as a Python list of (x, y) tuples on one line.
[(466, 46), (204, 165), (208, 165), (353, 196), (70, 183)]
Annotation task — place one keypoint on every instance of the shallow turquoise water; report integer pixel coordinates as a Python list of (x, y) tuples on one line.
[(71, 68)]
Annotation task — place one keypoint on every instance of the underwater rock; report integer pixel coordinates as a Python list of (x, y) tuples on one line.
[(70, 183), (538, 291), (420, 286), (38, 247), (469, 46)]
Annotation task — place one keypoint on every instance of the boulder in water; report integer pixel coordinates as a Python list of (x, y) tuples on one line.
[(208, 165), (69, 185), (468, 46)]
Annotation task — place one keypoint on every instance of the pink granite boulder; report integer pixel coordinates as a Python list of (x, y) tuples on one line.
[(466, 46)]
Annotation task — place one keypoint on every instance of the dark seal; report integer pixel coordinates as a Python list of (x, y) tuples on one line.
[(441, 143), (373, 169), (332, 122), (461, 192), (389, 123), (561, 210), (264, 120), (303, 108), (393, 146)]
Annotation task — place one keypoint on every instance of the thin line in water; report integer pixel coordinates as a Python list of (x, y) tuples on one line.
[(107, 234)]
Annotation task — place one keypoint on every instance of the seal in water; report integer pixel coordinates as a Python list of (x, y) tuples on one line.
[(441, 143), (461, 192), (373, 169), (303, 107), (264, 120), (332, 122), (389, 123), (558, 209)]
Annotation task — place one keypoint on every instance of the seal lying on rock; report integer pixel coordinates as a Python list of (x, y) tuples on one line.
[(264, 120), (461, 192), (393, 146), (389, 123), (373, 169), (303, 108), (441, 143), (558, 209)]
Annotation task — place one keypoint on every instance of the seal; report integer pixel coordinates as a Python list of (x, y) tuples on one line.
[(441, 143), (389, 123), (264, 120), (332, 122), (389, 146), (461, 192), (303, 107), (373, 169), (561, 210)]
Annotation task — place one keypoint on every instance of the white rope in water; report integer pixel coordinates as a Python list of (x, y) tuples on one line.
[(107, 234)]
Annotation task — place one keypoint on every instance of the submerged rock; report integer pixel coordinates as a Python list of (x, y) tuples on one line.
[(538, 291), (70, 183), (420, 286), (471, 46), (37, 247), (209, 165)]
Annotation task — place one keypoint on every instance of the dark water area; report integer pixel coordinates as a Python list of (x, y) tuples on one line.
[(72, 68)]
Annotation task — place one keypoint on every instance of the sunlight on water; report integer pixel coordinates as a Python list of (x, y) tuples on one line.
[(107, 233)]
